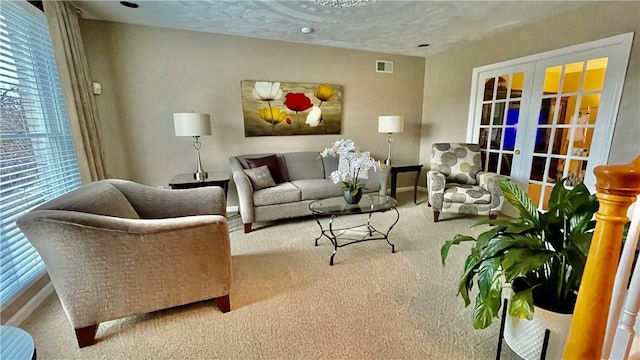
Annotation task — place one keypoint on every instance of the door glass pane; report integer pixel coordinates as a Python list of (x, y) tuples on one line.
[(545, 197), (542, 140), (561, 141), (596, 69), (503, 83), (546, 111), (484, 137), (498, 114), (496, 138), (537, 168), (572, 77), (552, 79), (488, 88), (493, 162), (517, 82), (505, 167), (486, 114)]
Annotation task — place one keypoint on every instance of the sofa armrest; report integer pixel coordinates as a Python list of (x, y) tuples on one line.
[(435, 185), (381, 176), (154, 203), (490, 182), (244, 189)]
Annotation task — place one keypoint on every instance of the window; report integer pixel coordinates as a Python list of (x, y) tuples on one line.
[(37, 158)]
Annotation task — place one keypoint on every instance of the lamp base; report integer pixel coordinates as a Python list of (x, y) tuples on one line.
[(387, 162), (200, 175)]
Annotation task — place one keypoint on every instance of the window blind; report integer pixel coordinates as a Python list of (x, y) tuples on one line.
[(37, 160)]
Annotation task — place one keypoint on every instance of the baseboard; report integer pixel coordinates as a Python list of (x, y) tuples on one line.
[(30, 306), (410, 188), (232, 209)]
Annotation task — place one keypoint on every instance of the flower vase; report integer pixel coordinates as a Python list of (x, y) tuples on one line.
[(352, 199)]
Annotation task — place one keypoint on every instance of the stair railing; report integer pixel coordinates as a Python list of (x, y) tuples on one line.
[(617, 187)]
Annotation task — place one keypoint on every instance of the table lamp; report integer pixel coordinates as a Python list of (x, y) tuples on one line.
[(195, 125), (390, 124)]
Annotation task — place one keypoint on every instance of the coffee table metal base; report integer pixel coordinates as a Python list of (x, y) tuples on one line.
[(354, 234)]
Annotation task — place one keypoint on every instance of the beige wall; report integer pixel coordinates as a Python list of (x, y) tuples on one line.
[(448, 75), (149, 73)]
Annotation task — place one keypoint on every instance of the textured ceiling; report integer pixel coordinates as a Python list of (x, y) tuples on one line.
[(396, 27)]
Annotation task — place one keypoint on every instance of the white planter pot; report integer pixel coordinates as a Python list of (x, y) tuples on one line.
[(525, 337)]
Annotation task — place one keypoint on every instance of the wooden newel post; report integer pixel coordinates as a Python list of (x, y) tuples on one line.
[(617, 187)]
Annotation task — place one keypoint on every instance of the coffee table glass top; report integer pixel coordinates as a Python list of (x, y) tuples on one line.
[(368, 204)]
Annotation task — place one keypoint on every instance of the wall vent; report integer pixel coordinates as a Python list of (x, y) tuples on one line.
[(384, 66)]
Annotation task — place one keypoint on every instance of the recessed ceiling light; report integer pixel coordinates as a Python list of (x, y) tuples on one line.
[(129, 4), (423, 45), (306, 30)]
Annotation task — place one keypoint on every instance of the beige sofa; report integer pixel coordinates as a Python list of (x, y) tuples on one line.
[(305, 178), (115, 248)]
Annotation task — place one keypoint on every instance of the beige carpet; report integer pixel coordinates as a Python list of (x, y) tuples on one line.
[(288, 303)]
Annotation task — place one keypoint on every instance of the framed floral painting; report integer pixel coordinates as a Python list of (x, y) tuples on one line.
[(273, 108)]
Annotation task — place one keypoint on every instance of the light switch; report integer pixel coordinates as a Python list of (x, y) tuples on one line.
[(97, 88)]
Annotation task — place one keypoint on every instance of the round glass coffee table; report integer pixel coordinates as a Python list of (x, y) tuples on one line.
[(336, 206)]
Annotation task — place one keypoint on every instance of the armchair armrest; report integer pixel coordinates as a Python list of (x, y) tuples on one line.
[(435, 186), (244, 189), (489, 181), (154, 203), (90, 257)]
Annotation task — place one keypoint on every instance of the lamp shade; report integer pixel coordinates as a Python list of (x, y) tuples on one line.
[(390, 124), (192, 124)]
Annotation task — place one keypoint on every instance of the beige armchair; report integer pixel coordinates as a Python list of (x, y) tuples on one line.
[(115, 248)]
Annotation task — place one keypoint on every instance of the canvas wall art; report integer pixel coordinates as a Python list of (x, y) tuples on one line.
[(272, 108)]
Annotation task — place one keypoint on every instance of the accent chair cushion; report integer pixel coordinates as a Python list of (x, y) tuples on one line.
[(260, 177), (457, 161), (272, 163)]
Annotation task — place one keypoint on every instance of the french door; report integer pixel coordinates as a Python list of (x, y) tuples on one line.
[(551, 116)]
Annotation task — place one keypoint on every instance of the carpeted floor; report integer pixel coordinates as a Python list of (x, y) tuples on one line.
[(288, 303)]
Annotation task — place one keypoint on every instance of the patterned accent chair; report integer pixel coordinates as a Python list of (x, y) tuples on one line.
[(456, 184)]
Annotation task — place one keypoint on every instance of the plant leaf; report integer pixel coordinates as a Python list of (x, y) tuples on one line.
[(486, 275), (577, 259), (466, 281), (518, 262), (486, 309), (444, 250), (520, 200), (521, 304), (509, 242), (484, 238), (581, 241)]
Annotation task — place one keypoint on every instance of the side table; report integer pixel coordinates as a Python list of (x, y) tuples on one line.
[(398, 167), (214, 178), (16, 343)]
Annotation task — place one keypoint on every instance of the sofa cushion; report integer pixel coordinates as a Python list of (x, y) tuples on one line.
[(469, 194), (272, 163), (304, 165), (314, 189), (279, 194), (260, 177)]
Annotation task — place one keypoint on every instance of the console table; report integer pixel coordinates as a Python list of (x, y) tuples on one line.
[(336, 206), (398, 167)]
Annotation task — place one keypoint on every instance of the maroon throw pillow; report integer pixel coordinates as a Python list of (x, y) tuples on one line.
[(272, 163)]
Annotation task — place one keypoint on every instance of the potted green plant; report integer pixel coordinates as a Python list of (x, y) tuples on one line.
[(540, 255)]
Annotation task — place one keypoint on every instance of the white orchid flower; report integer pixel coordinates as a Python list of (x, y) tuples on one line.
[(267, 91), (313, 118)]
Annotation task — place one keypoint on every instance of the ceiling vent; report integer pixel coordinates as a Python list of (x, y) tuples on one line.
[(384, 66)]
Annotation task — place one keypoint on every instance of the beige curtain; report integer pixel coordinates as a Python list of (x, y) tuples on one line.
[(77, 88)]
